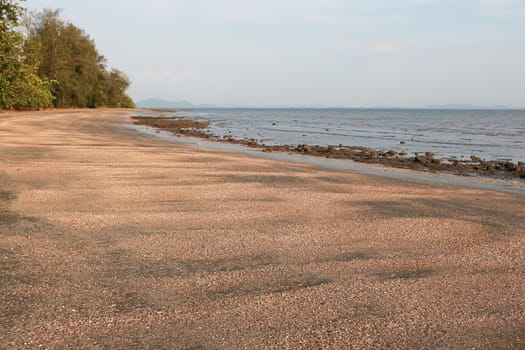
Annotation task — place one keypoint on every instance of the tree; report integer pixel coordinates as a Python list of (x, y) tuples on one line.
[(69, 57), (20, 87), (118, 83)]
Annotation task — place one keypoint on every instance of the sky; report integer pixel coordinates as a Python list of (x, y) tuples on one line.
[(369, 53)]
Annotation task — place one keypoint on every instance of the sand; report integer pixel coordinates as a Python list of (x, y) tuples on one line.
[(114, 239)]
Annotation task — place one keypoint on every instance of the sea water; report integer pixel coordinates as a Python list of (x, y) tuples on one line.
[(450, 134)]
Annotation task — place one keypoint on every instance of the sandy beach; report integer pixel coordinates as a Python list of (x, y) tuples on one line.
[(112, 239)]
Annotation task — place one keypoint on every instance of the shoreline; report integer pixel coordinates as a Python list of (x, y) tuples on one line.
[(422, 162), (195, 138)]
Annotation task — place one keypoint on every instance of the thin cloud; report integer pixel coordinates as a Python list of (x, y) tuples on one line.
[(502, 3)]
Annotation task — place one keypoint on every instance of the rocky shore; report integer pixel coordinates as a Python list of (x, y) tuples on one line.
[(474, 166)]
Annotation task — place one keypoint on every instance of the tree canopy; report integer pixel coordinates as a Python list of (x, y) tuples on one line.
[(53, 62), (20, 87)]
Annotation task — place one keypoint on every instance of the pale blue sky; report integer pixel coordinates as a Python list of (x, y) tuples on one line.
[(330, 52)]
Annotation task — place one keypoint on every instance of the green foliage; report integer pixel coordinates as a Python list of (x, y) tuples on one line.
[(53, 63), (26, 92), (20, 87), (10, 13), (69, 57), (118, 82)]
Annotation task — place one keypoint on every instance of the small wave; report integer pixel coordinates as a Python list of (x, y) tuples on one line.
[(454, 132)]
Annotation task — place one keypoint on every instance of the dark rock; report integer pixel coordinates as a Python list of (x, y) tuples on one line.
[(304, 149), (475, 159), (391, 153), (421, 160), (511, 166)]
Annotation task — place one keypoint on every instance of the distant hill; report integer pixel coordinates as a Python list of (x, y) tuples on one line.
[(155, 103), (164, 104), (464, 106)]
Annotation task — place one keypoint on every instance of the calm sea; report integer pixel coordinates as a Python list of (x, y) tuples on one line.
[(489, 134)]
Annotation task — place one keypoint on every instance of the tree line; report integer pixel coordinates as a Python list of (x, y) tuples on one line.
[(46, 61)]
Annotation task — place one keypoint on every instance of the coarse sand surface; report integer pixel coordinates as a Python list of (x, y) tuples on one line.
[(113, 239)]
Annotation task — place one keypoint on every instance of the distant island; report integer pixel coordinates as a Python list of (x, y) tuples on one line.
[(155, 103)]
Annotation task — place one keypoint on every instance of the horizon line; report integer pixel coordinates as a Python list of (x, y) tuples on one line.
[(183, 104)]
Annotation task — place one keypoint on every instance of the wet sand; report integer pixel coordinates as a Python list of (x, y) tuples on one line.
[(114, 239)]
